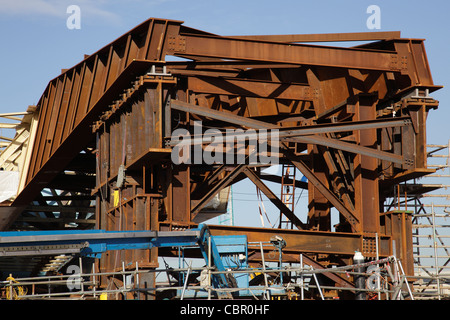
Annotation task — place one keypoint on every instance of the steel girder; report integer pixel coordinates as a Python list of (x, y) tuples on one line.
[(350, 119)]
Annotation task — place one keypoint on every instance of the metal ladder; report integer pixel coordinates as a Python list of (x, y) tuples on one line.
[(287, 193)]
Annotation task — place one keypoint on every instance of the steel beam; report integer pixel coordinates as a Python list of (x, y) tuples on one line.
[(249, 88), (346, 146), (366, 175), (274, 199), (73, 98), (216, 188), (277, 179), (334, 200), (307, 130), (198, 45), (301, 241), (218, 115), (325, 37), (41, 174), (254, 76), (304, 134), (91, 242)]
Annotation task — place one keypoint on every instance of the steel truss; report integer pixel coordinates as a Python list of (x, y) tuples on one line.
[(351, 120)]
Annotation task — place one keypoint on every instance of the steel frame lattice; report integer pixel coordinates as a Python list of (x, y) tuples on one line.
[(351, 120)]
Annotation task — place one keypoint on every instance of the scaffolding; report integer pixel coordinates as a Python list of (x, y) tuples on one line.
[(122, 105), (431, 227), (384, 279)]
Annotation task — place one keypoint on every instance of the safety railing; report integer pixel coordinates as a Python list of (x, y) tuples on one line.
[(431, 227), (384, 279)]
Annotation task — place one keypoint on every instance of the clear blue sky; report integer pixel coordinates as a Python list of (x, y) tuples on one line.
[(36, 44)]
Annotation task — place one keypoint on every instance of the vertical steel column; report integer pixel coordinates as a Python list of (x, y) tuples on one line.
[(366, 169), (319, 207)]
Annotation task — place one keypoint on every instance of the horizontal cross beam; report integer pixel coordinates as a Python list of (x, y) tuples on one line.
[(301, 241), (325, 37), (307, 134), (250, 88), (200, 45)]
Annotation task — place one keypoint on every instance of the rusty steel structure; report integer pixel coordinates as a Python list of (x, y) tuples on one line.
[(352, 120)]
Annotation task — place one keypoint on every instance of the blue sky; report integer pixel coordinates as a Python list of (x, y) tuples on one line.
[(36, 44)]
